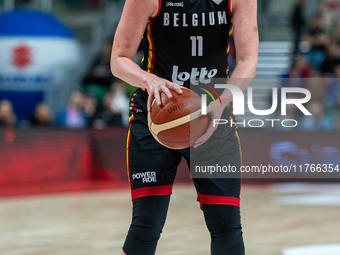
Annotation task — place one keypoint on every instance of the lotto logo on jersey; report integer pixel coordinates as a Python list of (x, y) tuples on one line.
[(196, 75), (146, 176)]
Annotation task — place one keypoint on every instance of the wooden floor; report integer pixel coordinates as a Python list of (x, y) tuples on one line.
[(96, 223)]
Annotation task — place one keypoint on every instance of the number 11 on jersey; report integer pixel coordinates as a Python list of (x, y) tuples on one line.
[(196, 46)]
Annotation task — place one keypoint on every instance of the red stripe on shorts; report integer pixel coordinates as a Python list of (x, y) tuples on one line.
[(151, 191), (218, 200)]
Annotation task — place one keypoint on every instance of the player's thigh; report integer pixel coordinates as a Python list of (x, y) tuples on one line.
[(151, 170), (151, 166), (215, 168)]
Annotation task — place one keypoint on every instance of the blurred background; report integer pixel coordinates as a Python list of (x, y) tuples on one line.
[(64, 119)]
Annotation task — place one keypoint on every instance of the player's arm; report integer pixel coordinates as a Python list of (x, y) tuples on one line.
[(246, 38), (135, 16)]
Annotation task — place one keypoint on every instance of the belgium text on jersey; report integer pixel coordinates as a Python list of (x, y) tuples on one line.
[(203, 19)]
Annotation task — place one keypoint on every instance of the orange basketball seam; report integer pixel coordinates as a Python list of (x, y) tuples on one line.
[(177, 119), (178, 141)]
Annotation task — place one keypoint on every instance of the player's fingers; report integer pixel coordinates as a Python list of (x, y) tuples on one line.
[(150, 99), (157, 95), (175, 87), (166, 91), (196, 144), (203, 138), (149, 102)]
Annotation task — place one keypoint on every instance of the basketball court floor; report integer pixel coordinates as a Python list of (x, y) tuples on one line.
[(275, 219)]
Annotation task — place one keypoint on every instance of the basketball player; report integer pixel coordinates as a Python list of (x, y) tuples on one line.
[(185, 41)]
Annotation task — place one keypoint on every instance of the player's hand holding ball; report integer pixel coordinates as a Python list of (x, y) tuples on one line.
[(175, 119), (215, 112), (155, 86)]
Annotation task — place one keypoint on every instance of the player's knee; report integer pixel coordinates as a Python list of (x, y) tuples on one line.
[(149, 217), (225, 232), (143, 235), (226, 238), (146, 227), (149, 214), (224, 224)]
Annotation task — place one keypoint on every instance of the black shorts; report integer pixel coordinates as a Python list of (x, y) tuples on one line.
[(152, 167)]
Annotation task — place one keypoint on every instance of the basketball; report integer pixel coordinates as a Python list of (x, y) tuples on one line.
[(178, 122)]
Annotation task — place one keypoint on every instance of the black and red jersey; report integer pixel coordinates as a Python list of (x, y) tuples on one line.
[(188, 41)]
